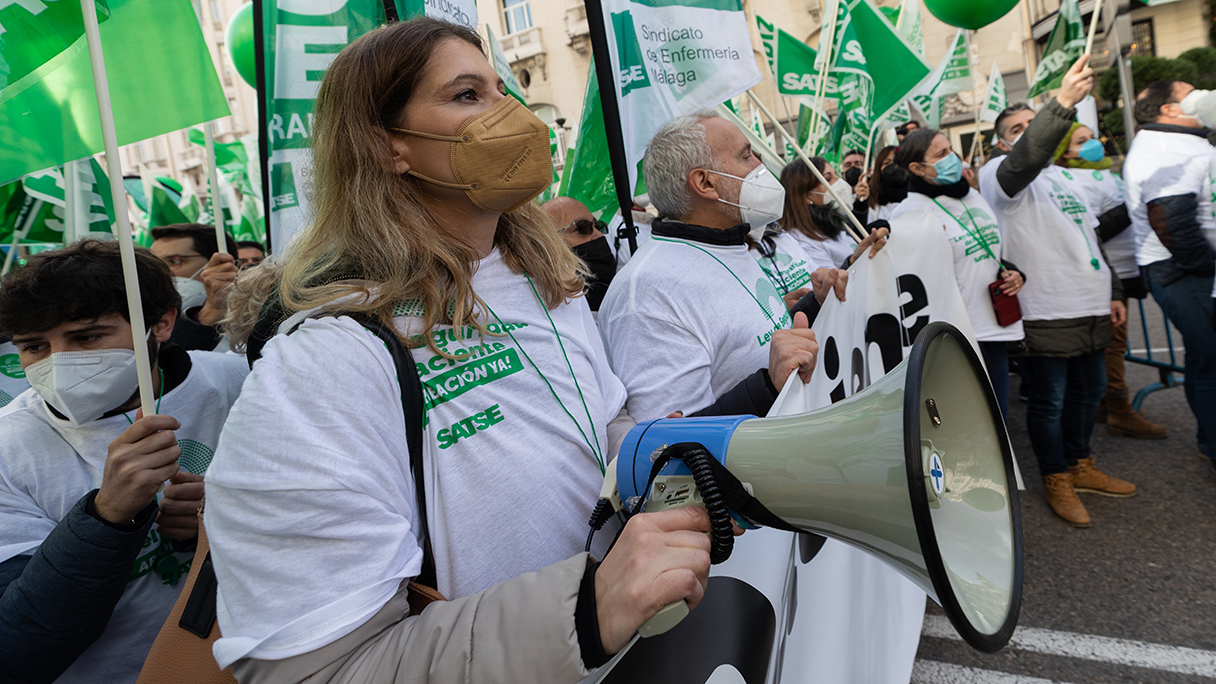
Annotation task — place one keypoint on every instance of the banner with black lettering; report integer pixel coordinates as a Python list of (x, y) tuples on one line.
[(673, 57)]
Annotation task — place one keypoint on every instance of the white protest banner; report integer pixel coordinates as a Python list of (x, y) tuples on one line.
[(673, 57), (463, 12), (859, 619)]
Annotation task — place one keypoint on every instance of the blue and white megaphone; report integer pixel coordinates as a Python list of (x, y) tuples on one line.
[(916, 469)]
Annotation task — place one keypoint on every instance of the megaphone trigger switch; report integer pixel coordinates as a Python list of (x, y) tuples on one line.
[(934, 416)]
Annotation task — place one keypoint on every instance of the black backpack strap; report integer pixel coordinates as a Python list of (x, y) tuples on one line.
[(414, 409)]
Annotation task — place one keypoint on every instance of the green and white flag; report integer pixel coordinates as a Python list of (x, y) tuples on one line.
[(910, 27), (587, 176), (1064, 46), (673, 57), (252, 222), (997, 99), (38, 33), (231, 161), (160, 72), (463, 12), (499, 59), (93, 193), (36, 207), (302, 39), (791, 61), (952, 75)]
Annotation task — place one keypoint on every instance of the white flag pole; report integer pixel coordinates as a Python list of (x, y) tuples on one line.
[(126, 245), (213, 194), (71, 202), (1093, 28), (979, 105), (821, 85), (858, 233)]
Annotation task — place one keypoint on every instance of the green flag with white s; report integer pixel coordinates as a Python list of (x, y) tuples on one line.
[(161, 78), (1064, 46)]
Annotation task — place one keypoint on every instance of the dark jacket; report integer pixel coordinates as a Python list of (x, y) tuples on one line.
[(56, 603), (1033, 153), (191, 335), (1175, 220)]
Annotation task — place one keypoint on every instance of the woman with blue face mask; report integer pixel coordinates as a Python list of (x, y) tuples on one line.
[(1087, 171), (939, 196)]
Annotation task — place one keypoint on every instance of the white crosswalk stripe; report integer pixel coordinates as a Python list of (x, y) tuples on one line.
[(1190, 661), (934, 672)]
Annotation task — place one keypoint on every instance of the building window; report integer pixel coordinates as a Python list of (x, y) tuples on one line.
[(1142, 39), (518, 15)]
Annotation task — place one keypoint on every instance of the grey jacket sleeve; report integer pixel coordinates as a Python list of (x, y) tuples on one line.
[(1034, 150), (522, 630), (62, 600)]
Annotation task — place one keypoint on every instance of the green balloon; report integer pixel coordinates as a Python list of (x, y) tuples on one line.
[(970, 14), (240, 44)]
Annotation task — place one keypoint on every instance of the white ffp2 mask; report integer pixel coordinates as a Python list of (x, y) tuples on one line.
[(192, 292), (761, 199), (84, 385)]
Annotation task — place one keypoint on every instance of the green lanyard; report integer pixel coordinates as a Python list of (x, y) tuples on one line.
[(162, 394), (776, 325), (1093, 258), (597, 450), (977, 235)]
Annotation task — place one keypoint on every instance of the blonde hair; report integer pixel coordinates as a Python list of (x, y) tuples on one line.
[(371, 235), (245, 299)]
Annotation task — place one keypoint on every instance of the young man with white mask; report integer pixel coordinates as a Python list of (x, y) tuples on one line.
[(694, 317), (1166, 170), (1070, 302), (201, 273), (91, 558)]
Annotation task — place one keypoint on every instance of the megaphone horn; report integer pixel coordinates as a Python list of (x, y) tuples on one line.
[(916, 469)]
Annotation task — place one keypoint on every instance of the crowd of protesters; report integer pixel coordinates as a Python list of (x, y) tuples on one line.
[(539, 341)]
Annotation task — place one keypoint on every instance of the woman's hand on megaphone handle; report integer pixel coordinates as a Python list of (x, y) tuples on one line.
[(660, 558), (792, 350)]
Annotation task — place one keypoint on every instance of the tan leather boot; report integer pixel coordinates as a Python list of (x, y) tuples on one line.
[(1124, 421), (1062, 498), (1087, 478)]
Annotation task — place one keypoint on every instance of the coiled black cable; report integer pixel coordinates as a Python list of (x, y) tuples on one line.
[(722, 534), (698, 460)]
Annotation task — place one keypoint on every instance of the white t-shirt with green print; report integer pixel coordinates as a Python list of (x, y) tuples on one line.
[(1050, 231), (46, 465), (314, 465), (686, 321), (974, 266), (1103, 190)]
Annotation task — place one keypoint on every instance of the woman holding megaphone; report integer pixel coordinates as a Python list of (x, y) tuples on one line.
[(424, 172)]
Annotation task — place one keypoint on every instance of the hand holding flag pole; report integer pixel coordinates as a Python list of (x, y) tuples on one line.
[(126, 245), (857, 231)]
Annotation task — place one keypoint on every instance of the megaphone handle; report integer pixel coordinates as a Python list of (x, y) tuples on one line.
[(665, 619)]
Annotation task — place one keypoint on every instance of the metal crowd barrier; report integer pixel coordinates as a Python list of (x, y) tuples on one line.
[(1170, 374)]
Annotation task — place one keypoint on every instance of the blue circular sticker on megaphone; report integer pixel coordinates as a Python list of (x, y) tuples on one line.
[(937, 474)]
